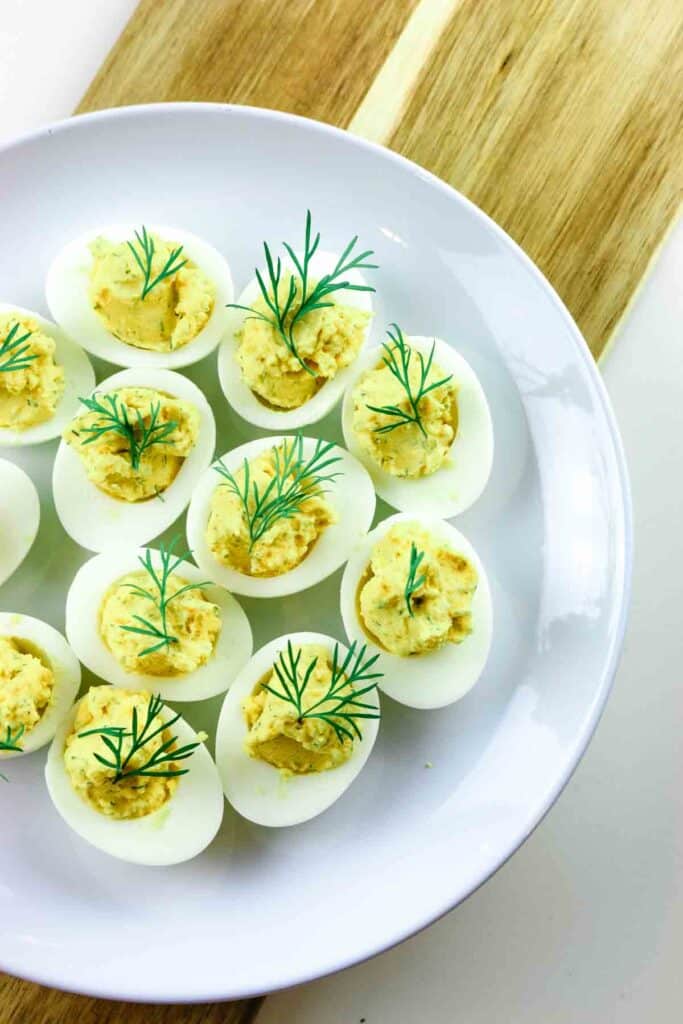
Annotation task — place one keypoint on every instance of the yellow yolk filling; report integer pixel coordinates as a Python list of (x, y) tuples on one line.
[(283, 546), (169, 316), (26, 686), (276, 736), (30, 395), (107, 459), (405, 451), (134, 797), (441, 606), (327, 340), (191, 619)]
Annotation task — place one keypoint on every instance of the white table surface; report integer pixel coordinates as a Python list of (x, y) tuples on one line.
[(585, 923)]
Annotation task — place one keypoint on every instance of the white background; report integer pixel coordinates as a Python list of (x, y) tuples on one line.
[(585, 923)]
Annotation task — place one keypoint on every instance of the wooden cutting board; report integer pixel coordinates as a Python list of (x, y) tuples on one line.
[(563, 119)]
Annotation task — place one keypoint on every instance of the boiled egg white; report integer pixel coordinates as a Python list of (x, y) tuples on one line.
[(177, 832), (19, 517), (458, 483), (49, 645), (79, 379), (84, 599), (97, 521), (66, 290), (351, 496), (255, 788), (239, 394), (442, 676)]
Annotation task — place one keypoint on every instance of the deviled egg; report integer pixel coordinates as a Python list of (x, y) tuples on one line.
[(416, 416), (149, 619), (133, 779), (296, 727), (129, 462), (42, 373), (416, 592), (140, 295), (278, 515), (19, 517), (294, 334), (39, 680)]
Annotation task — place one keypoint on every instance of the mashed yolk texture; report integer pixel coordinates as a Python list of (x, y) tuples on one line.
[(441, 605), (107, 458), (29, 395), (130, 797), (169, 316), (296, 746)]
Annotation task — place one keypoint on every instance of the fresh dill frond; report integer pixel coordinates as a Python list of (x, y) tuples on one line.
[(114, 420), (11, 743), (413, 582), (294, 481), (303, 295), (114, 737), (14, 349), (397, 356), (345, 708), (159, 595), (145, 256)]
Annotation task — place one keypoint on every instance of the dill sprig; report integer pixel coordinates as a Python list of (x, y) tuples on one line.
[(114, 420), (303, 295), (144, 259), (413, 582), (13, 351), (11, 743), (294, 481), (346, 709), (397, 358), (115, 736), (159, 595)]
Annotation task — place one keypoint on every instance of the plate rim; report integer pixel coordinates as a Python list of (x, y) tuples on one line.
[(623, 553)]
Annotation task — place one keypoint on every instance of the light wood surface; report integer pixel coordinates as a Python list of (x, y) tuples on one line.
[(563, 119), (24, 1003)]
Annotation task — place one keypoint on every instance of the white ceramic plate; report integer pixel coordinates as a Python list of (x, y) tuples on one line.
[(552, 528)]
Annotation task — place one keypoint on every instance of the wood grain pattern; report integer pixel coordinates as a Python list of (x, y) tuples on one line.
[(24, 1003), (561, 118), (564, 121), (311, 57)]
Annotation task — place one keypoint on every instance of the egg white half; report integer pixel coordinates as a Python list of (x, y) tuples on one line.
[(66, 290), (79, 379), (177, 832), (256, 789), (351, 496), (441, 677), (66, 670), (458, 483), (97, 521), (19, 517), (83, 602), (242, 398)]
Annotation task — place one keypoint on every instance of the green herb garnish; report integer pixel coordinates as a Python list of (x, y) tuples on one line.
[(397, 358), (13, 351), (11, 743), (115, 736), (346, 706), (413, 582), (295, 480), (159, 596), (114, 420), (303, 296), (144, 258)]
